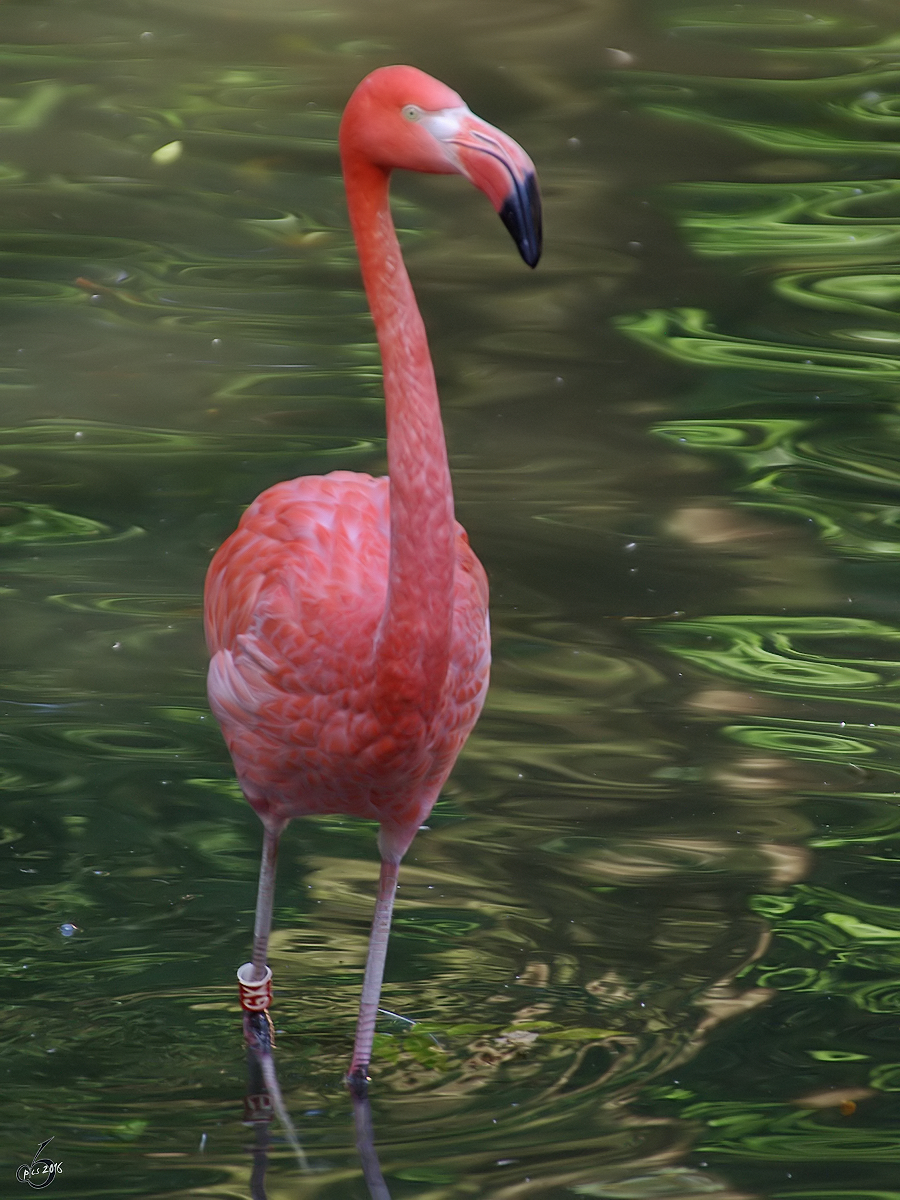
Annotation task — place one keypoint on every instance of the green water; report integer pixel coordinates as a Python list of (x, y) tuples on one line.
[(649, 946)]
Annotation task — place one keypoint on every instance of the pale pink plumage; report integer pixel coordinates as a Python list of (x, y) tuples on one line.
[(347, 616)]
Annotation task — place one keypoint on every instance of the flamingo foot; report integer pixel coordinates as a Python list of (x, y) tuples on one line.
[(260, 1038), (259, 1033), (357, 1080), (256, 996)]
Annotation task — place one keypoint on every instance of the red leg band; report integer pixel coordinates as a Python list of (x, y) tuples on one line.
[(256, 994)]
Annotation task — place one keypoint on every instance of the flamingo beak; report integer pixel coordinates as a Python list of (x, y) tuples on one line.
[(501, 169), (521, 214)]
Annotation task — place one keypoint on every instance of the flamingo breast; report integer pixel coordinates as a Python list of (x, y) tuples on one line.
[(294, 599)]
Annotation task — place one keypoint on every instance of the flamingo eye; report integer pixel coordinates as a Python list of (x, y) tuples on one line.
[(412, 112)]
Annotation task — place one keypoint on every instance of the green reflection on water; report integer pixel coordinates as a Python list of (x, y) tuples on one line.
[(778, 651), (686, 335), (574, 927), (805, 378), (39, 524)]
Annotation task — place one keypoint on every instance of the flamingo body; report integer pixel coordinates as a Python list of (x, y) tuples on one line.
[(294, 601)]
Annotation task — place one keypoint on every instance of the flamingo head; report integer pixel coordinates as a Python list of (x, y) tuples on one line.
[(399, 117)]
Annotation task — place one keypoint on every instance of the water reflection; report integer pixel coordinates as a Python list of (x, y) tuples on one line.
[(365, 1145), (624, 1154), (648, 945), (258, 1114)]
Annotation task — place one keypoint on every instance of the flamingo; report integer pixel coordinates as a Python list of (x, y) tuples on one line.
[(347, 616)]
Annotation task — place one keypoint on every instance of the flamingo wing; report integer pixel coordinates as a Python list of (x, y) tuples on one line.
[(293, 601)]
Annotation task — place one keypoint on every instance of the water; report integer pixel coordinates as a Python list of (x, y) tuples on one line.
[(648, 946)]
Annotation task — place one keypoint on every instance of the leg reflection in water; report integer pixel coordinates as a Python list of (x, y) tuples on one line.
[(258, 1113), (264, 1100), (365, 1144)]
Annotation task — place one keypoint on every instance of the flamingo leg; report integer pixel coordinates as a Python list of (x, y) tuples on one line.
[(254, 982), (265, 900), (255, 978), (357, 1077)]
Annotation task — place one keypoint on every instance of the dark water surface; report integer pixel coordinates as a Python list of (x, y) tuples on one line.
[(650, 945)]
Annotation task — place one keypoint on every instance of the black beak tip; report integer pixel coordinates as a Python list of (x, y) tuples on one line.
[(521, 214)]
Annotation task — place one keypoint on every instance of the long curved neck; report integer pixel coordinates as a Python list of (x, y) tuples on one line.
[(413, 648)]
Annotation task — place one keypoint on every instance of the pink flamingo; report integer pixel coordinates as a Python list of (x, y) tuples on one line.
[(347, 616)]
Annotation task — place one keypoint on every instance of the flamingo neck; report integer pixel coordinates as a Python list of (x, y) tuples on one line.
[(413, 646)]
